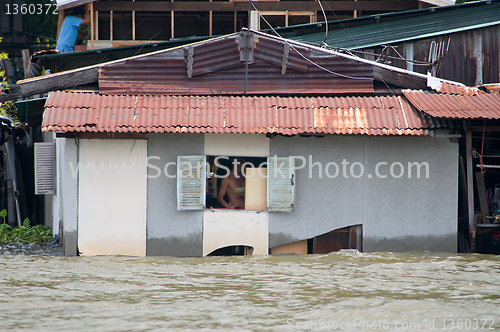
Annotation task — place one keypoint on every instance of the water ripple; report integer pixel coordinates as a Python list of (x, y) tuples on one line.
[(259, 293)]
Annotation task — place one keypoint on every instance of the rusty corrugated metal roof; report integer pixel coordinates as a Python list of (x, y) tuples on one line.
[(454, 89), (93, 112), (480, 106), (218, 67), (168, 76), (493, 88)]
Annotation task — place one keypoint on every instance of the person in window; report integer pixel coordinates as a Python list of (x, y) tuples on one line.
[(69, 31), (233, 185)]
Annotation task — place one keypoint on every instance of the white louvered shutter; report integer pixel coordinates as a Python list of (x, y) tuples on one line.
[(191, 182), (280, 184), (45, 168)]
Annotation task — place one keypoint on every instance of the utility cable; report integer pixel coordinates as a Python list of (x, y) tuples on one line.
[(304, 57), (326, 24)]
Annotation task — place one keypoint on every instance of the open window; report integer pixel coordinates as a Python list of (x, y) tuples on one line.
[(266, 184)]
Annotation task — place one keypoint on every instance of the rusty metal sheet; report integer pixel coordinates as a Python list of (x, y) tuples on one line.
[(375, 115), (480, 106), (467, 50), (213, 55), (493, 88), (169, 76), (271, 51), (214, 67), (454, 89)]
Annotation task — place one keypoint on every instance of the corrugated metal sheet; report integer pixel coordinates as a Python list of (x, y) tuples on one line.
[(493, 88), (93, 112), (67, 61), (383, 29), (453, 89), (169, 76), (215, 67), (270, 51), (214, 55), (480, 106), (473, 28), (466, 61)]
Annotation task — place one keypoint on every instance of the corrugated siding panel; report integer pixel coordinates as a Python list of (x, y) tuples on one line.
[(397, 27), (377, 115), (280, 184), (191, 182), (214, 56), (272, 51), (169, 76)]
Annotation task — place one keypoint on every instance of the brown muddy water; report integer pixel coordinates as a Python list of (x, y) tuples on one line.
[(344, 291)]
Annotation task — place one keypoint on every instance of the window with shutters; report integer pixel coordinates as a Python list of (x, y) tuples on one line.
[(229, 182), (280, 184), (191, 182), (45, 168)]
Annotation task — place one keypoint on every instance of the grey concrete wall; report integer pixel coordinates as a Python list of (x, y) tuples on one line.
[(405, 214), (321, 204), (398, 214), (171, 232)]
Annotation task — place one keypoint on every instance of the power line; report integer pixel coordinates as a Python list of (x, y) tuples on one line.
[(326, 23), (304, 57)]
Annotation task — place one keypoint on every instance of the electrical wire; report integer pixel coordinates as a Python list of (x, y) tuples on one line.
[(339, 22), (304, 57), (326, 23)]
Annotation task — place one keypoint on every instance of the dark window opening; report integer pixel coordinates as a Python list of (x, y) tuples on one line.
[(236, 183)]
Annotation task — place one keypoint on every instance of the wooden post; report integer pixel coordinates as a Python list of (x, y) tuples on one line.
[(355, 12), (60, 21), (133, 23), (286, 18), (26, 61), (96, 26), (235, 21), (172, 33), (91, 5), (210, 17), (463, 207), (481, 194), (111, 25), (470, 181)]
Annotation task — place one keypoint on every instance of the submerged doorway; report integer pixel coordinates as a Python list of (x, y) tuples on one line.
[(232, 251)]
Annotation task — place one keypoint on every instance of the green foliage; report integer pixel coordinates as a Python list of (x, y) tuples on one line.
[(7, 108), (3, 214), (25, 233), (5, 233), (42, 25)]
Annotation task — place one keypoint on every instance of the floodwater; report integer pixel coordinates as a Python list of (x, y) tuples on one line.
[(343, 291)]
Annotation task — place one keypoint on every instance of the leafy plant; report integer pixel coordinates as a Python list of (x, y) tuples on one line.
[(25, 233), (3, 214), (7, 108)]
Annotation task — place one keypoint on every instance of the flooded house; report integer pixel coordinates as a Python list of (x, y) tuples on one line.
[(334, 155)]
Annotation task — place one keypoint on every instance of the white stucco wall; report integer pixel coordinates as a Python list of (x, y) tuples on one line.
[(222, 228), (112, 197)]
